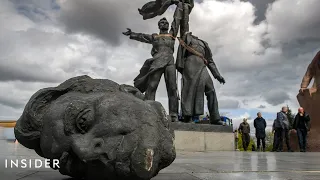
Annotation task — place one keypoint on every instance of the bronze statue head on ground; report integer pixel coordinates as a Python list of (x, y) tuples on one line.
[(98, 129)]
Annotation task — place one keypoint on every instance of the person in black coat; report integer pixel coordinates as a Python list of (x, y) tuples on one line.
[(260, 125), (302, 126)]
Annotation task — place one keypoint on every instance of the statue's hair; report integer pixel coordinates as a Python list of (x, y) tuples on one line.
[(163, 19)]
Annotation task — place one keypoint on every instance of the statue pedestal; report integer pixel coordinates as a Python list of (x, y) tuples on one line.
[(202, 137), (310, 101)]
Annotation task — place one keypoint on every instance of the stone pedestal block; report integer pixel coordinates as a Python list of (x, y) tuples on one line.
[(202, 137)]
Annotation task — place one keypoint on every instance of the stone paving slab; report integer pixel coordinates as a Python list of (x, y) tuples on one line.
[(192, 166)]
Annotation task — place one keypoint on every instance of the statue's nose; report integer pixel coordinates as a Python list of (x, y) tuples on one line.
[(87, 148)]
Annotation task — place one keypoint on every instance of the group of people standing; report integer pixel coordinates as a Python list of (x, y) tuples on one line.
[(281, 129), (244, 129)]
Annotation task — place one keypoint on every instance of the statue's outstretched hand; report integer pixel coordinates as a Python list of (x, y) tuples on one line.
[(221, 80), (128, 33)]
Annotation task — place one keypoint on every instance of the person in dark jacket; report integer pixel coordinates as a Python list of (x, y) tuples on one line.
[(244, 130), (282, 130), (301, 125), (274, 136), (260, 125)]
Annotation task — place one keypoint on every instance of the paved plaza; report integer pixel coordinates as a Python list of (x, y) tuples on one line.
[(193, 166)]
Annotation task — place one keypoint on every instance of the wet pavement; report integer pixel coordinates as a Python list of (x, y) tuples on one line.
[(192, 166)]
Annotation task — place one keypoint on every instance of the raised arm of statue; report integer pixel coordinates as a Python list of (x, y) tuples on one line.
[(308, 76), (145, 38), (190, 3), (312, 73), (187, 8), (177, 17)]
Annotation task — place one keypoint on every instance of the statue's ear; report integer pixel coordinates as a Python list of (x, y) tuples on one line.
[(131, 90)]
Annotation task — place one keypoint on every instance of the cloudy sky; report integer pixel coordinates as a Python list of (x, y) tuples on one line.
[(261, 47)]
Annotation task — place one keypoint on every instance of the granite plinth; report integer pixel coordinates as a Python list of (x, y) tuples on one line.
[(202, 137), (310, 101)]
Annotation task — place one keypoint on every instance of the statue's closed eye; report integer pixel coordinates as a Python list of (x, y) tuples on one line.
[(84, 120)]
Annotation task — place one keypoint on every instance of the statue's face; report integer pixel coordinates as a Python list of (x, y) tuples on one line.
[(163, 24), (93, 128)]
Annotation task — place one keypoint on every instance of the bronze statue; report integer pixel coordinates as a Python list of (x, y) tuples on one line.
[(193, 56), (162, 62)]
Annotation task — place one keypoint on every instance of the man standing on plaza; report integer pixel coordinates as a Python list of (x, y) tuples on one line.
[(274, 136), (282, 130), (301, 125), (260, 125), (244, 130)]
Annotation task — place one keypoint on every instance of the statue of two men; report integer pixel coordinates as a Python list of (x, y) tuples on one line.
[(194, 55)]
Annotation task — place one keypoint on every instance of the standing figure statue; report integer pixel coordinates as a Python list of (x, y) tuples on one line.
[(162, 61), (193, 58)]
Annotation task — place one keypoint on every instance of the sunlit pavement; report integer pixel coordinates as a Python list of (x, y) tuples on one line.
[(191, 166)]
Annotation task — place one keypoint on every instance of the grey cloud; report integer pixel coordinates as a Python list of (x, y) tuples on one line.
[(262, 107), (103, 19), (261, 7), (16, 94), (29, 57), (6, 101), (36, 10), (276, 97), (27, 73), (300, 46), (9, 113), (100, 18), (229, 104), (289, 26)]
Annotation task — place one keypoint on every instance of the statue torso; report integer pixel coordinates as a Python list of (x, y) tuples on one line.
[(163, 44), (197, 45)]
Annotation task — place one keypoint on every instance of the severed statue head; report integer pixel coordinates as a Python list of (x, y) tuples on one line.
[(97, 129)]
